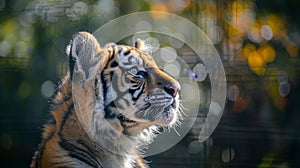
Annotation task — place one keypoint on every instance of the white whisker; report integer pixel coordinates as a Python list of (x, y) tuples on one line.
[(176, 131)]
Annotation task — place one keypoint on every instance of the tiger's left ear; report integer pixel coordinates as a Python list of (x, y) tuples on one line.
[(139, 44)]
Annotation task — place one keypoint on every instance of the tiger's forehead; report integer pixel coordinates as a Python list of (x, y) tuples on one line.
[(131, 55)]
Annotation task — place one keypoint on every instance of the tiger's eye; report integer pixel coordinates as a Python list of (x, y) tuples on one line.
[(144, 74), (139, 74)]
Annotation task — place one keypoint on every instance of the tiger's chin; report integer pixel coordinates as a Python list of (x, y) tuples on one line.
[(169, 116), (166, 116)]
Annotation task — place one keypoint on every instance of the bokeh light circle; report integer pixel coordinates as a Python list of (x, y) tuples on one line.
[(187, 33), (233, 92), (200, 72), (228, 154), (47, 89)]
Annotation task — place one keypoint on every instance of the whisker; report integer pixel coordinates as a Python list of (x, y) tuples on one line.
[(182, 110), (183, 101), (167, 129), (176, 131)]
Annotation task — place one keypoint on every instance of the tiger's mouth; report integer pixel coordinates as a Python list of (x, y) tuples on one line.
[(162, 112)]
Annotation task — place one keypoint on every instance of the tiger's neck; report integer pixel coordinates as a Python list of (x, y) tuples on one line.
[(65, 138)]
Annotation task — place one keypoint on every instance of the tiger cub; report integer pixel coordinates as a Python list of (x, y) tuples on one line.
[(107, 108)]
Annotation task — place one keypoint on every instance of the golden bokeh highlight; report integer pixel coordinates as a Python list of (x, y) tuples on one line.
[(159, 7), (268, 53), (257, 50), (249, 48), (240, 17), (256, 63), (258, 58)]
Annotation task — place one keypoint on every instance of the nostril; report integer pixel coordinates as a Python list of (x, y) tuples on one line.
[(171, 90)]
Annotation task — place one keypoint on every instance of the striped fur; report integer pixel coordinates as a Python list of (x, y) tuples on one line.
[(107, 108)]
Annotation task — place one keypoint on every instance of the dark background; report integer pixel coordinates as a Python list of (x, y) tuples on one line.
[(260, 124)]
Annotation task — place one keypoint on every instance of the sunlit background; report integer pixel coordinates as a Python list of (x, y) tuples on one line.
[(258, 42)]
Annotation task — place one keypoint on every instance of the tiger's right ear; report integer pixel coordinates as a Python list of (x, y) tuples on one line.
[(85, 61), (83, 51)]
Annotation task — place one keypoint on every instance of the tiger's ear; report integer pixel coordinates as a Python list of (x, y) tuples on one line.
[(83, 54), (85, 58), (139, 44)]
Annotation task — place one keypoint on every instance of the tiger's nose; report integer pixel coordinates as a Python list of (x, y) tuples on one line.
[(172, 89)]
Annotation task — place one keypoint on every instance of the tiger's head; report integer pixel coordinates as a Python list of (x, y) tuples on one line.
[(122, 83)]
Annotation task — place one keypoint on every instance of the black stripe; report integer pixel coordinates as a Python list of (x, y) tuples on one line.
[(132, 91), (51, 121), (136, 44), (146, 107), (104, 87), (126, 53), (133, 81), (81, 142), (66, 97), (120, 49), (40, 150), (55, 105), (66, 116), (74, 151), (114, 64), (72, 61), (79, 153), (102, 76), (109, 114), (111, 73), (96, 88)]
